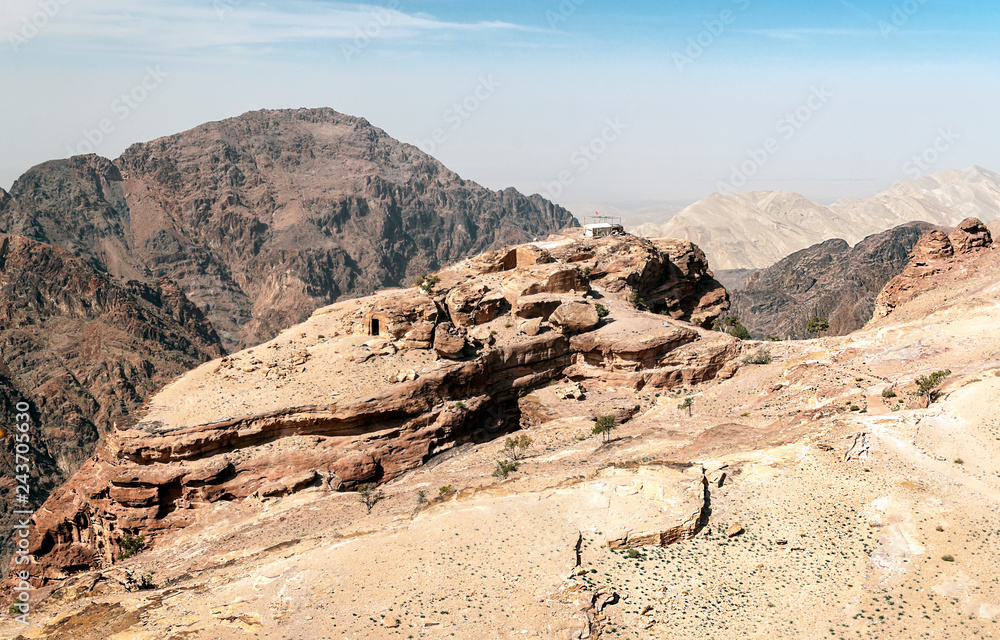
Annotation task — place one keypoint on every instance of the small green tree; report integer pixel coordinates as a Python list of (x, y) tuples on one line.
[(927, 386), (817, 325), (637, 300), (687, 404), (504, 468), (427, 283), (130, 545), (732, 326), (604, 426), (516, 447), (602, 311), (370, 495)]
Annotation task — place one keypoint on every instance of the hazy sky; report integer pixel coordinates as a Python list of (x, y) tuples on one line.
[(669, 101)]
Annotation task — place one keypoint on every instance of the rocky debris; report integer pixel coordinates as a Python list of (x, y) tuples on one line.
[(263, 218), (574, 317), (483, 335), (970, 235), (934, 254), (574, 391), (830, 279), (405, 375), (860, 447), (734, 530)]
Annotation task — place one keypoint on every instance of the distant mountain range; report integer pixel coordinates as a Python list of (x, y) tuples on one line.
[(755, 230), (263, 218)]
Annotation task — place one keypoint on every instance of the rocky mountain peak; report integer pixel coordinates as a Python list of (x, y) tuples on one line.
[(262, 218)]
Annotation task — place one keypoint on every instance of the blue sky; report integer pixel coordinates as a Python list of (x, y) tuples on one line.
[(625, 103)]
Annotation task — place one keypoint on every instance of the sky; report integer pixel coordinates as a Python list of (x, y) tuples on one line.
[(625, 103)]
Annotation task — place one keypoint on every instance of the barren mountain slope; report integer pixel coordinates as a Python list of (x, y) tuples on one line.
[(263, 218), (755, 230), (84, 351), (796, 499), (832, 279)]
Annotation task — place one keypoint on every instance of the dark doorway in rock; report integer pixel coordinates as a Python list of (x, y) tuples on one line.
[(376, 327)]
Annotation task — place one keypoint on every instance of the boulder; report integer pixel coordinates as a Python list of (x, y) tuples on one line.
[(473, 303), (448, 342), (970, 235), (540, 305), (532, 327), (574, 317)]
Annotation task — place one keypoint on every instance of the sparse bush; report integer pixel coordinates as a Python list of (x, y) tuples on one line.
[(688, 404), (13, 610), (773, 339), (515, 447), (888, 392), (602, 311), (460, 405), (604, 426), (927, 386), (855, 407), (760, 356), (634, 554), (130, 545), (948, 558), (959, 461), (146, 582), (504, 468), (421, 497), (445, 489), (370, 495)]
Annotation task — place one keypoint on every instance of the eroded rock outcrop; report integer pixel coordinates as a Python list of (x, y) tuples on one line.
[(326, 402), (935, 253)]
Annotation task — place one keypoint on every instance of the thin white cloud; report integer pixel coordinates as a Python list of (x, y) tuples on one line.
[(158, 25)]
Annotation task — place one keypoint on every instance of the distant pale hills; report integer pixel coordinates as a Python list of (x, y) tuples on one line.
[(757, 229)]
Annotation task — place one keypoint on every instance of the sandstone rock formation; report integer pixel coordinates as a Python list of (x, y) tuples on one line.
[(832, 279), (85, 352), (327, 401), (934, 254), (970, 235), (263, 218)]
